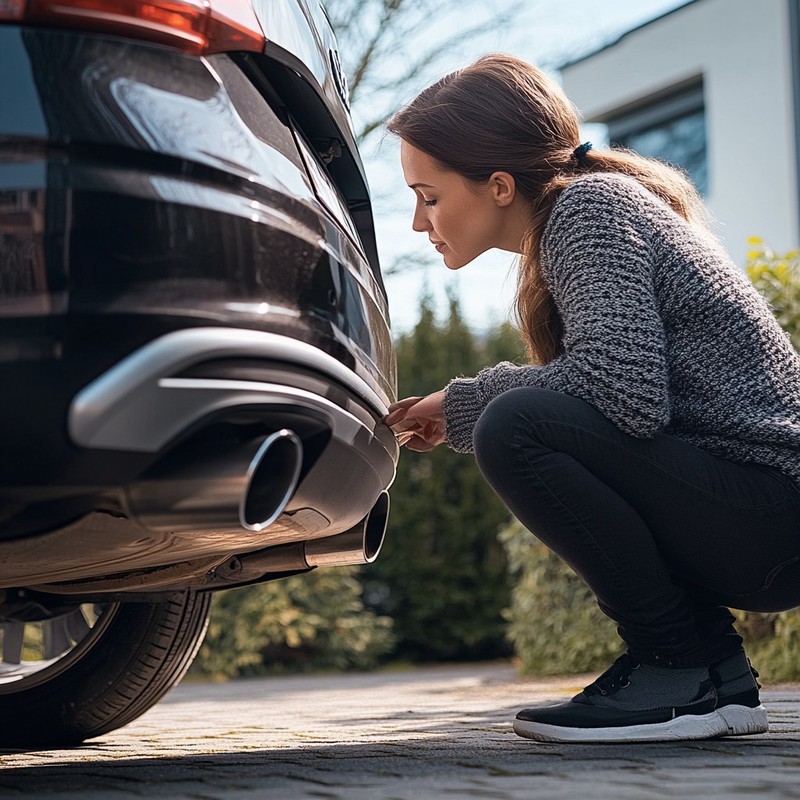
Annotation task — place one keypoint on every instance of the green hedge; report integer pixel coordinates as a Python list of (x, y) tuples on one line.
[(315, 620), (442, 575), (773, 640), (777, 277), (554, 622)]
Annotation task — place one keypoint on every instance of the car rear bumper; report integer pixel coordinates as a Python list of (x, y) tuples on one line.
[(164, 401), (165, 397)]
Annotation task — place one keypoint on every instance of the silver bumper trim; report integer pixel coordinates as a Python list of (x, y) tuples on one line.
[(138, 405)]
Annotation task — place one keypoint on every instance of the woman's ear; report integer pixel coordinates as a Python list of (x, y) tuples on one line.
[(503, 188)]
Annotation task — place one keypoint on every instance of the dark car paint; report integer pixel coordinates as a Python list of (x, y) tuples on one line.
[(105, 185)]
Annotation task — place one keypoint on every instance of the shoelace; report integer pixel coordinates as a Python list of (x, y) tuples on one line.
[(617, 676)]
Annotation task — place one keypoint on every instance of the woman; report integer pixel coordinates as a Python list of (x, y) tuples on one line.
[(654, 443)]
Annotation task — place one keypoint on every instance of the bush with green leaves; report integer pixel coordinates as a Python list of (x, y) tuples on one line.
[(315, 620), (777, 277), (554, 622), (773, 640)]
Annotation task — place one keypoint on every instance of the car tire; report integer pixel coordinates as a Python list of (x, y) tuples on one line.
[(134, 654)]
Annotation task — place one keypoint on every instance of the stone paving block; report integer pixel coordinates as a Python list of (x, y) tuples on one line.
[(442, 732)]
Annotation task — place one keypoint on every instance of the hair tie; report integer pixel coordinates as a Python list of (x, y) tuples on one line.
[(581, 150)]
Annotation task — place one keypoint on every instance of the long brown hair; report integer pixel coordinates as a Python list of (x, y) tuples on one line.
[(503, 114)]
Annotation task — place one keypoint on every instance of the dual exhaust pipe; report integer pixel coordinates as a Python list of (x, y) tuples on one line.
[(249, 487)]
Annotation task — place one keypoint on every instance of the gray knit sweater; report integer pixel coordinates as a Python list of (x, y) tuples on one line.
[(663, 334)]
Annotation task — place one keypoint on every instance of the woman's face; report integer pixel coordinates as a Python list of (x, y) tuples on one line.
[(462, 219)]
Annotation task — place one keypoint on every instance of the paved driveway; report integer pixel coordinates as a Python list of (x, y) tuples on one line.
[(441, 732)]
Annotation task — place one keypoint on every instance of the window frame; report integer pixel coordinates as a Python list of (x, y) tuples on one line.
[(660, 109)]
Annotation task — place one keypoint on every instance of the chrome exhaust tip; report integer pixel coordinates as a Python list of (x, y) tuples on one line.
[(244, 488), (271, 480), (359, 545)]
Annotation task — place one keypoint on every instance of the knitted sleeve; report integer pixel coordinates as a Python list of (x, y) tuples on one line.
[(597, 260)]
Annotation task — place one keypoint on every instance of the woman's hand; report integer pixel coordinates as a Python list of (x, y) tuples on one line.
[(418, 422)]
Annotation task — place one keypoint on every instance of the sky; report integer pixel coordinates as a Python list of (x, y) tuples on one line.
[(548, 32)]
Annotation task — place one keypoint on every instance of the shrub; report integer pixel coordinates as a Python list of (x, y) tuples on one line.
[(442, 575), (777, 278), (773, 640), (777, 654), (315, 620), (554, 622)]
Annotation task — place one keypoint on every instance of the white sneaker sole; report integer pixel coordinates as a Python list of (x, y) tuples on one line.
[(689, 726), (743, 720)]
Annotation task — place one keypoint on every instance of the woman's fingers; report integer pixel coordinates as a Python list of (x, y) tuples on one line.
[(398, 410), (424, 438), (418, 422), (404, 437), (430, 407)]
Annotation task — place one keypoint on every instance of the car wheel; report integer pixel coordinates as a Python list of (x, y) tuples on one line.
[(94, 668)]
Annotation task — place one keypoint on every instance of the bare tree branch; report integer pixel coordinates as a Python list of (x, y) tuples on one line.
[(372, 48), (386, 45)]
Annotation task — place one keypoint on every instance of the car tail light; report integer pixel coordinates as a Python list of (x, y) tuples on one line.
[(199, 27)]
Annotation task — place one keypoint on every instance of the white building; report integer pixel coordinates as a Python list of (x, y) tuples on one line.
[(714, 86)]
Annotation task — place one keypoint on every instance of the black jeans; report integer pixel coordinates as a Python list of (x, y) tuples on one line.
[(666, 535)]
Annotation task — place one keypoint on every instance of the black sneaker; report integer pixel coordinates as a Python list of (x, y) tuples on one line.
[(630, 702), (738, 702)]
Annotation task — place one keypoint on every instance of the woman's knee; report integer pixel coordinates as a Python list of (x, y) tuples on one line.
[(508, 418)]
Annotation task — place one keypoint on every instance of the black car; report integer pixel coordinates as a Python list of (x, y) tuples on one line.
[(195, 354)]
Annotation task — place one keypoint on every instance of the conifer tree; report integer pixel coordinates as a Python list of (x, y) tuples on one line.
[(442, 575)]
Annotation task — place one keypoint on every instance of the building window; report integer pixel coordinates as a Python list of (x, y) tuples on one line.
[(672, 128)]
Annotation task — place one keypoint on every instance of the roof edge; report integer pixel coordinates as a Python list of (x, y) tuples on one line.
[(621, 36)]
